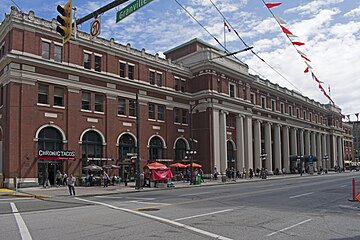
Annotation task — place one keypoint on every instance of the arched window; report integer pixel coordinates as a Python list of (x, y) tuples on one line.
[(156, 148), (126, 145), (49, 138), (230, 155), (91, 148), (180, 149)]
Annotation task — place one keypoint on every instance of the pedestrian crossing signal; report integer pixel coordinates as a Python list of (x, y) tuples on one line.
[(65, 20)]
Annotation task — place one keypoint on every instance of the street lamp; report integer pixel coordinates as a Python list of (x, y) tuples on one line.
[(192, 152)]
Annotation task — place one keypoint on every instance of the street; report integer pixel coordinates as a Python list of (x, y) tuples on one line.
[(312, 207)]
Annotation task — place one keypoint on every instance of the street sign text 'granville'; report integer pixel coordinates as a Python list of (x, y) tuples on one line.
[(129, 9)]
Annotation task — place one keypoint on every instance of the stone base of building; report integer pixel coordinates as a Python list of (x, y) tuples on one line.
[(20, 182)]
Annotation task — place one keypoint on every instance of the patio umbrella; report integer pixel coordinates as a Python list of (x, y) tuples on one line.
[(194, 165), (108, 166), (156, 164), (93, 167), (178, 165)]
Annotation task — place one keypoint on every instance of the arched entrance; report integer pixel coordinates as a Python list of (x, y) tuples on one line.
[(127, 155), (156, 148), (92, 150)]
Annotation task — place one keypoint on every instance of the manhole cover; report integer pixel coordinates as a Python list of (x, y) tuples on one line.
[(148, 209)]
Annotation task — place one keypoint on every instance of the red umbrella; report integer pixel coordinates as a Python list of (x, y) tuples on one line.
[(156, 164), (194, 165), (178, 165)]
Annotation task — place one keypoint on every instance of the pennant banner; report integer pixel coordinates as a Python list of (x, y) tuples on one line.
[(271, 5)]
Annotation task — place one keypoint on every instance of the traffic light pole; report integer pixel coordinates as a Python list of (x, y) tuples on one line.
[(100, 11), (137, 164)]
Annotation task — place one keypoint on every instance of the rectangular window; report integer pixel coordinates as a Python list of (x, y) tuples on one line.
[(131, 70), (282, 108), (151, 111), (99, 103), (2, 95), (310, 117), (45, 50), (43, 94), (132, 108), (263, 102), (232, 90), (161, 113), (159, 79), (59, 96), (85, 101), (218, 86), (87, 61), (176, 115), (273, 105), (304, 114), (152, 77), (297, 113), (97, 63), (183, 86), (58, 53), (184, 116), (122, 69), (291, 111), (252, 98), (177, 84), (121, 107)]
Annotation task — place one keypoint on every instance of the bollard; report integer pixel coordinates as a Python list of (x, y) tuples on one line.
[(353, 189)]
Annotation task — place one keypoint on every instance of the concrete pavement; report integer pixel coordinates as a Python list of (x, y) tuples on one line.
[(62, 191)]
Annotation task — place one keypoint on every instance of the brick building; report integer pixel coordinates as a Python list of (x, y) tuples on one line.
[(64, 107)]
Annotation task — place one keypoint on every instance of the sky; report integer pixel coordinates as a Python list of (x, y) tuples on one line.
[(330, 30)]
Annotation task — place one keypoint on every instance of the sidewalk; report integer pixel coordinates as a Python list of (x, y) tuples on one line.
[(40, 192)]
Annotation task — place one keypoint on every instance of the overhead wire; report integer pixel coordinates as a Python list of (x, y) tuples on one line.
[(252, 51)]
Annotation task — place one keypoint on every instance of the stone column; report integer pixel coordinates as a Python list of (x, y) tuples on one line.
[(313, 148), (333, 149), (307, 142), (293, 141), (257, 144), (240, 155), (216, 139), (268, 148), (323, 150), (285, 148), (301, 142), (249, 161), (222, 135), (319, 154), (340, 152), (277, 147), (329, 152)]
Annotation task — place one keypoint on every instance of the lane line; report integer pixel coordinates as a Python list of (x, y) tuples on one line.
[(135, 198), (24, 231), (150, 203), (108, 197), (163, 220), (191, 194), (301, 195), (284, 229), (202, 215)]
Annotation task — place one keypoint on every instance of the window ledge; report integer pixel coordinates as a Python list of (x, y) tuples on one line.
[(43, 105), (59, 107), (102, 113), (84, 110)]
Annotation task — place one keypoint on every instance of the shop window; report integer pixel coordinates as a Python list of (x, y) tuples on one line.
[(87, 60), (85, 101), (58, 96), (57, 53), (99, 103), (122, 67), (121, 107), (97, 63), (43, 94), (45, 50)]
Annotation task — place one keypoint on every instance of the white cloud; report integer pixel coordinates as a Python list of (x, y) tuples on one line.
[(353, 13), (313, 6)]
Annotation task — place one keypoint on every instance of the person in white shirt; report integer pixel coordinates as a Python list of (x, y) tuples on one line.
[(71, 184)]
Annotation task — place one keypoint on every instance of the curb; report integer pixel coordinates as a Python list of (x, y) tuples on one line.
[(24, 195)]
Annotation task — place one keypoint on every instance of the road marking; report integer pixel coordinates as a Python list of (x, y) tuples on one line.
[(162, 204), (284, 229), (164, 220), (343, 186), (191, 194), (107, 197), (301, 195), (201, 215), (24, 231), (140, 198)]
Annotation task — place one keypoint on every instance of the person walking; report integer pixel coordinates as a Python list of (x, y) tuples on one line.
[(58, 178), (251, 173), (71, 184), (65, 179), (125, 177), (106, 179)]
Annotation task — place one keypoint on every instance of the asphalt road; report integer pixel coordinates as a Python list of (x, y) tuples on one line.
[(298, 208)]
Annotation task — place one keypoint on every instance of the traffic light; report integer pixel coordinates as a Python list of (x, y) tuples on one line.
[(65, 20)]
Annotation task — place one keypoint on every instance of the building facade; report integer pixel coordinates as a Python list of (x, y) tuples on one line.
[(64, 107)]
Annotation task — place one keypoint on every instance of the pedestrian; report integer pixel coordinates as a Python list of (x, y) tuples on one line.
[(125, 177), (215, 174), (202, 175), (283, 171), (251, 173), (244, 172), (71, 184), (64, 179), (58, 178), (106, 179)]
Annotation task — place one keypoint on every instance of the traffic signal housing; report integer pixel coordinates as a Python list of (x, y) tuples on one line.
[(65, 20)]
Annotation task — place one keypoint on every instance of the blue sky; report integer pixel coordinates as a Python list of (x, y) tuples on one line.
[(330, 30)]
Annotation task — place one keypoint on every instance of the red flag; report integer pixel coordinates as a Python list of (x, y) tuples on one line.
[(298, 43), (285, 30), (271, 5), (306, 70), (305, 58), (225, 25)]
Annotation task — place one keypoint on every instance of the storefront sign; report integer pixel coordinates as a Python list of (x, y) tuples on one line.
[(56, 155)]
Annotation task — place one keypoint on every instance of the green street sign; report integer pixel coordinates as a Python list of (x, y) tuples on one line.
[(129, 9)]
